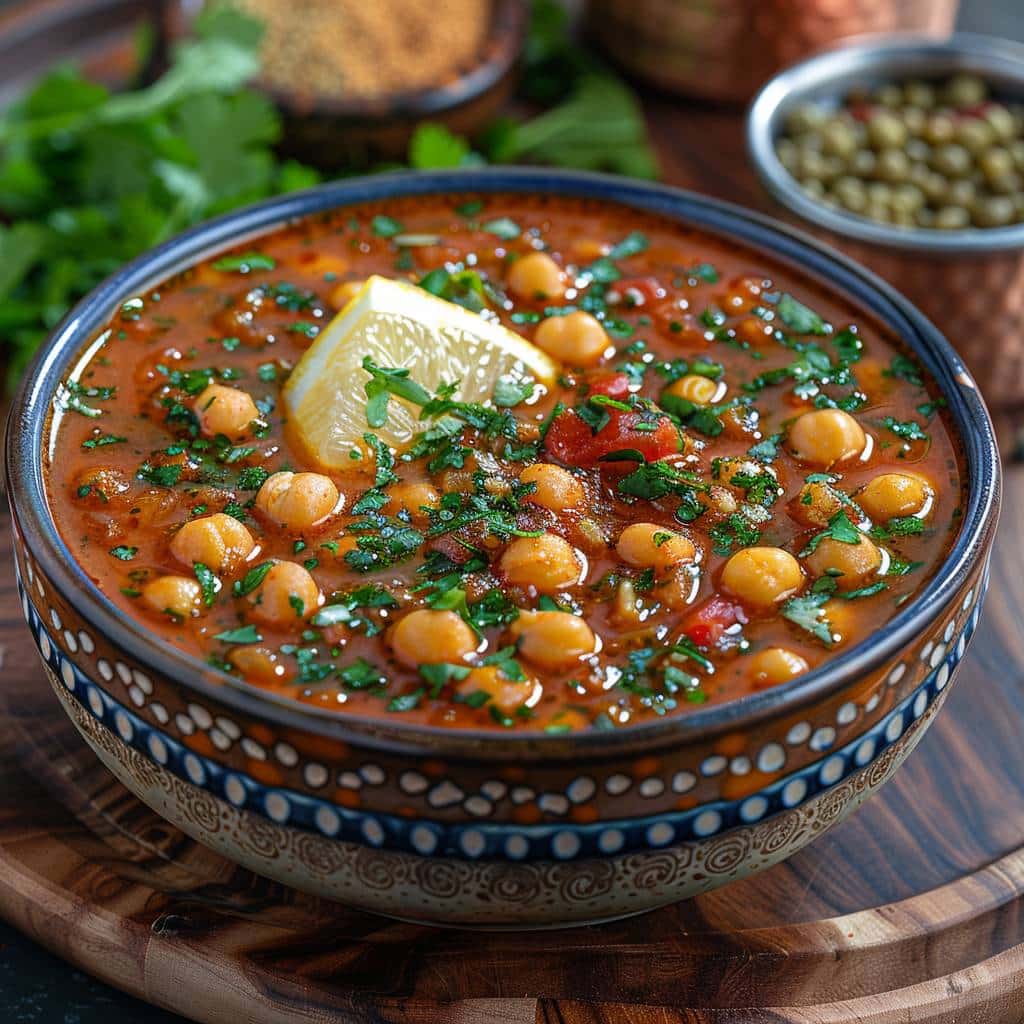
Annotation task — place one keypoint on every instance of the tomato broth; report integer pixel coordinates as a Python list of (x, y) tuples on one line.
[(736, 474)]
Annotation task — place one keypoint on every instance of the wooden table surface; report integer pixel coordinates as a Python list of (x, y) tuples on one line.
[(910, 911)]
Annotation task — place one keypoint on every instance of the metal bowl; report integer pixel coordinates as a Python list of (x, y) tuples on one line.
[(970, 282)]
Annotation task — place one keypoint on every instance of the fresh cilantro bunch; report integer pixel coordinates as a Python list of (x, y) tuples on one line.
[(89, 179), (589, 117)]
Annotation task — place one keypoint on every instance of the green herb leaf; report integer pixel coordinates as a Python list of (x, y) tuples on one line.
[(242, 635), (245, 263), (124, 553), (208, 583), (798, 317), (503, 227)]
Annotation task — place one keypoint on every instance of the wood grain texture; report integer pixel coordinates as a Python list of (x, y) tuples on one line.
[(912, 911)]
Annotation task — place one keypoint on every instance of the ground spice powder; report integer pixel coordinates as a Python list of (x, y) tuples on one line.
[(367, 49)]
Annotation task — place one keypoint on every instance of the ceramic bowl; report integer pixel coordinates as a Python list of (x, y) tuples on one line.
[(483, 829)]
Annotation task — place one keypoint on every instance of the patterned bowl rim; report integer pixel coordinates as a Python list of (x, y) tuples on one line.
[(868, 58), (29, 421)]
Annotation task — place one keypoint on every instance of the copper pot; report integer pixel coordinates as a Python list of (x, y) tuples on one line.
[(726, 49)]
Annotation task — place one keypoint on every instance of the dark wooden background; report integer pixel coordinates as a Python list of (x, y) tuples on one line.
[(701, 148)]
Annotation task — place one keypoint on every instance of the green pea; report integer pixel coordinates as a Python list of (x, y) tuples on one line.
[(907, 199), (893, 165), (1002, 122), (838, 140), (919, 94), (918, 150), (962, 192), (805, 118), (1016, 150), (913, 119), (863, 163), (939, 129), (890, 95), (995, 163), (851, 193), (885, 131), (925, 218), (814, 189), (877, 211), (952, 160), (952, 218), (974, 135), (1006, 185), (994, 211), (965, 90), (788, 154)]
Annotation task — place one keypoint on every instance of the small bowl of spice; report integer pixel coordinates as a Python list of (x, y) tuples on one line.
[(355, 78), (909, 155)]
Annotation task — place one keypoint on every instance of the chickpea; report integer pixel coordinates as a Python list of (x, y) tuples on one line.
[(553, 640), (547, 563), (894, 494), (414, 497), (775, 665), (554, 488), (816, 504), (762, 576), (825, 437), (650, 546), (426, 636), (261, 665), (227, 411), (507, 695), (536, 276), (576, 338), (693, 388), (176, 596), (842, 619), (287, 594), (297, 501), (850, 564), (219, 541)]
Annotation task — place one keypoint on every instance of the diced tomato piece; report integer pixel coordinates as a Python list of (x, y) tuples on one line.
[(706, 623), (571, 441), (614, 385)]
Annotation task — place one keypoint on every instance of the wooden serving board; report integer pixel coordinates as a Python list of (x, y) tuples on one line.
[(912, 910)]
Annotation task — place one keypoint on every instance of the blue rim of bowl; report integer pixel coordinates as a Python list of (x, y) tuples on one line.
[(29, 421), (896, 56)]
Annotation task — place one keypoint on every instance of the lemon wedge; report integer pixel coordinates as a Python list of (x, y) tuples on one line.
[(401, 326)]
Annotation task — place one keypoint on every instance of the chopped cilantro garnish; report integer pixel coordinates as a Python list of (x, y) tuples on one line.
[(502, 227), (252, 579), (242, 635), (904, 368), (798, 317), (124, 553), (103, 441), (163, 476), (245, 263), (807, 612), (839, 529), (385, 227), (907, 429), (208, 583)]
